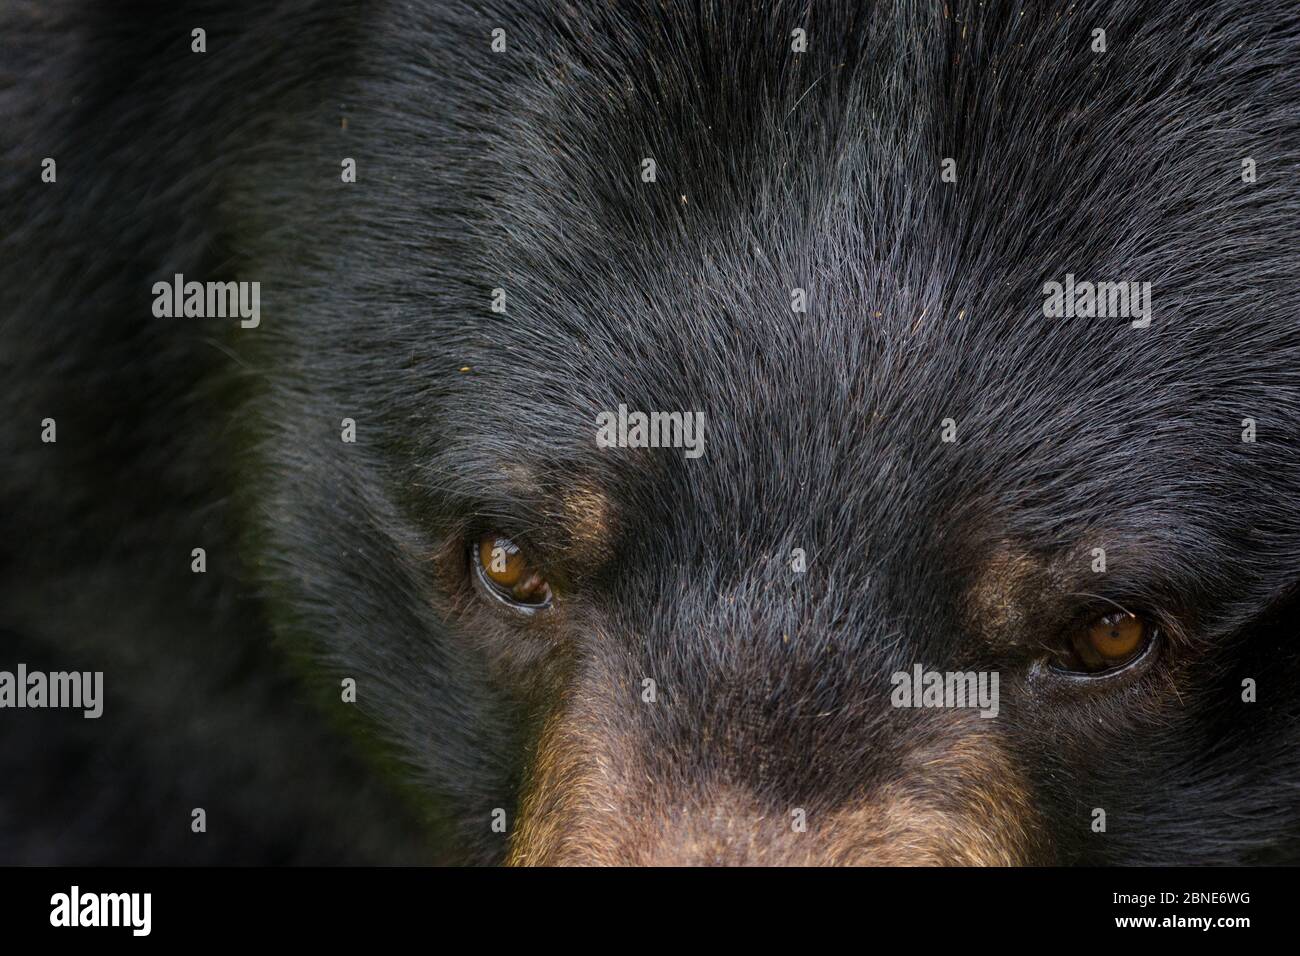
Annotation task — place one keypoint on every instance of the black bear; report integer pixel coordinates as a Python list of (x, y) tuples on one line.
[(672, 431)]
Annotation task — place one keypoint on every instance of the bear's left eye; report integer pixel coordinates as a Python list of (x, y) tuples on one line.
[(502, 572)]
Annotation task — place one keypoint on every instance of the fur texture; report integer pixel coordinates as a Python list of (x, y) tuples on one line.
[(776, 170)]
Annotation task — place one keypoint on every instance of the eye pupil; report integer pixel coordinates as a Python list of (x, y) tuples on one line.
[(1117, 638)]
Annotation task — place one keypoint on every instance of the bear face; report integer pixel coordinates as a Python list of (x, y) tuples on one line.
[(923, 552), (972, 485)]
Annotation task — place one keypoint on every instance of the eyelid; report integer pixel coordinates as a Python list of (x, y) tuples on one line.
[(1051, 678), (1095, 606), (474, 531)]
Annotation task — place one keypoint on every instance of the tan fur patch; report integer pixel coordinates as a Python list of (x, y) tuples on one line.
[(589, 519), (578, 783), (958, 803), (598, 797), (521, 480), (996, 599)]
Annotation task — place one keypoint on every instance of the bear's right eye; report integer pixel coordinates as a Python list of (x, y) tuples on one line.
[(1109, 643), (502, 573)]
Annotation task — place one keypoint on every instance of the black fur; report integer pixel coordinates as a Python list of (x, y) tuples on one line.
[(521, 170)]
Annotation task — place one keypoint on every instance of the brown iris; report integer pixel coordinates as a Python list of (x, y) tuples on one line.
[(507, 569), (1110, 641)]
